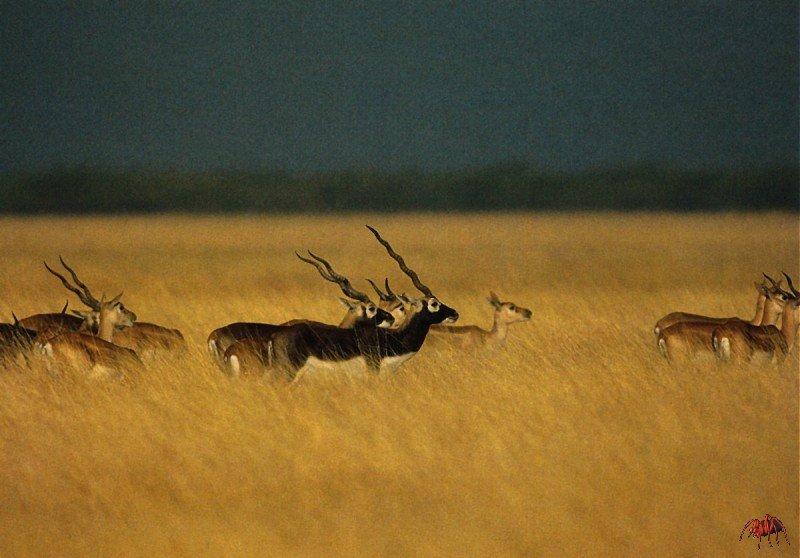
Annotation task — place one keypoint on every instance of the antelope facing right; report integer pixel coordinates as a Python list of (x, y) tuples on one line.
[(684, 340), (94, 353), (742, 341), (471, 336), (677, 317)]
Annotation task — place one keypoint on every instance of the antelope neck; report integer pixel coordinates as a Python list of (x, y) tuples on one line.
[(790, 325), (760, 303), (106, 329), (499, 327), (770, 314)]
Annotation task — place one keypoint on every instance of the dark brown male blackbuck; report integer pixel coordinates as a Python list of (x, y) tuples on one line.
[(361, 310), (304, 346), (251, 346)]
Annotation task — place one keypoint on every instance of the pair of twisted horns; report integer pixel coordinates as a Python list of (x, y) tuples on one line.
[(795, 292), (401, 262), (387, 296), (83, 292), (329, 274), (777, 285)]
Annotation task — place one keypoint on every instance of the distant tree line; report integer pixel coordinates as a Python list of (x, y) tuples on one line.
[(500, 187)]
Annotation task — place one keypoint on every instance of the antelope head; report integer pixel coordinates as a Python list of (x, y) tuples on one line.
[(794, 296), (399, 306), (432, 310), (776, 296), (508, 312), (112, 312), (357, 303)]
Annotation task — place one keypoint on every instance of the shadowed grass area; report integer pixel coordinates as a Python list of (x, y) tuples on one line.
[(577, 439)]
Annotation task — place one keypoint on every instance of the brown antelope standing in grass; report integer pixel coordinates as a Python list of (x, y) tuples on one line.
[(677, 317), (360, 309), (144, 338), (307, 345), (742, 341), (52, 323), (15, 341), (84, 351), (471, 336), (255, 347), (684, 340)]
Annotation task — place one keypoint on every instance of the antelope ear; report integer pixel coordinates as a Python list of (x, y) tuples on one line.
[(494, 300), (79, 313), (350, 305)]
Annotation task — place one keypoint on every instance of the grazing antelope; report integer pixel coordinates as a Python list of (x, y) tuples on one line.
[(677, 317), (96, 353), (742, 341), (295, 348), (505, 314), (255, 346), (683, 340), (360, 309)]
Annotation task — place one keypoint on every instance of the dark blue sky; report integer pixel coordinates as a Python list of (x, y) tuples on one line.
[(310, 88)]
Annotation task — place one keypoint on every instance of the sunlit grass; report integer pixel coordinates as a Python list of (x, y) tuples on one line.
[(575, 439)]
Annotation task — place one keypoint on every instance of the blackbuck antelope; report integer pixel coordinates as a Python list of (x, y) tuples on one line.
[(742, 341), (400, 306), (255, 348), (684, 340), (95, 353), (143, 337), (677, 317), (302, 346), (360, 310), (52, 323), (471, 336), (15, 340)]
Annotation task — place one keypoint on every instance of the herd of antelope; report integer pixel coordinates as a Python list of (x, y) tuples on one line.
[(681, 336), (107, 340)]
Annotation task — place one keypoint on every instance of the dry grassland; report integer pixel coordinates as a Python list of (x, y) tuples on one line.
[(578, 439)]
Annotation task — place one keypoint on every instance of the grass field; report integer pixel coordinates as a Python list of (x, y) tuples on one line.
[(577, 439)]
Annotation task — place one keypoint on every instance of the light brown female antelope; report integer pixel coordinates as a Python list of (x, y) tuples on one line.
[(742, 341), (684, 340), (144, 338), (677, 317), (471, 336), (94, 353)]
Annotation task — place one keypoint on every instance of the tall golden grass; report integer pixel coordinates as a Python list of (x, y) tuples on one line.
[(577, 439)]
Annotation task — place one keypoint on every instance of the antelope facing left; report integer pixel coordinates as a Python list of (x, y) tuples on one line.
[(96, 354)]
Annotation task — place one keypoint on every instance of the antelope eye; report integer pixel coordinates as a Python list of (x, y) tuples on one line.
[(512, 307)]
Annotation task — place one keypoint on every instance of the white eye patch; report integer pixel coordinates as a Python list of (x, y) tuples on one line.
[(371, 311), (433, 305)]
